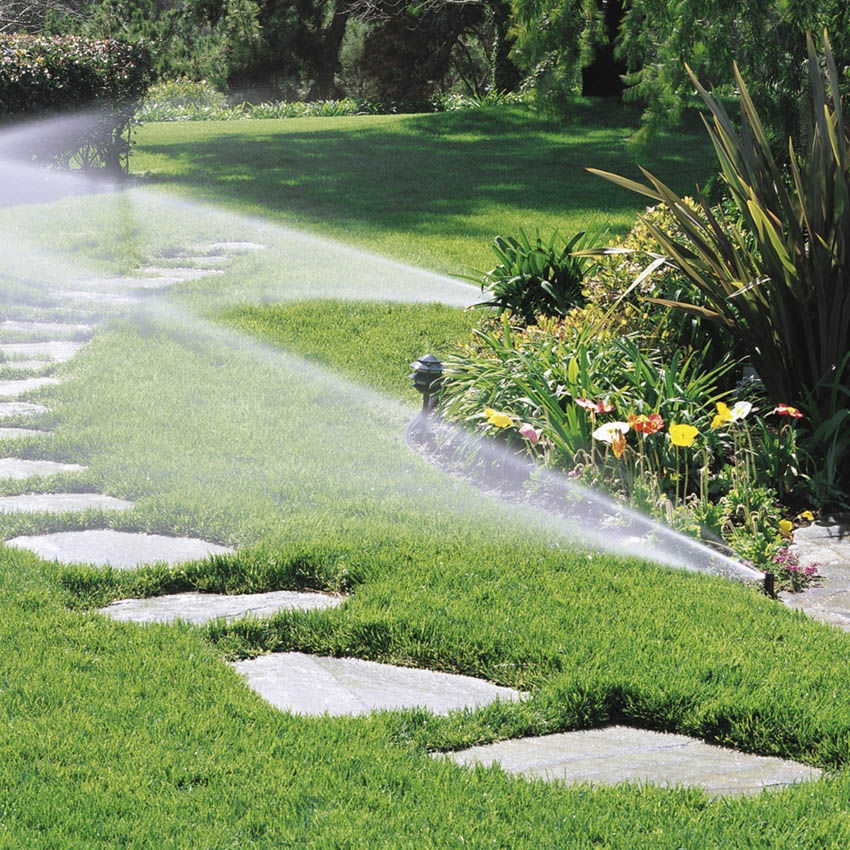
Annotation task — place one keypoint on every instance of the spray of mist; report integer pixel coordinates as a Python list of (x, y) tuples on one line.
[(47, 281)]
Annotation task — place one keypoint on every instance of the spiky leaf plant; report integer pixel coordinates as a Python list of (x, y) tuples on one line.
[(775, 274)]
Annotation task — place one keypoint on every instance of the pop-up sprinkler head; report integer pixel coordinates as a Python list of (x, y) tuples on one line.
[(426, 375), (770, 584)]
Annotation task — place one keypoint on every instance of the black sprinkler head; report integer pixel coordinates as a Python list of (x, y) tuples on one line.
[(427, 371)]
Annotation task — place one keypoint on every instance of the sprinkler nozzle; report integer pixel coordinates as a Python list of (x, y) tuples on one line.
[(770, 584), (426, 375)]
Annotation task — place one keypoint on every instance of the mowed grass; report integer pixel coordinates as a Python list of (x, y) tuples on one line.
[(431, 190), (116, 735)]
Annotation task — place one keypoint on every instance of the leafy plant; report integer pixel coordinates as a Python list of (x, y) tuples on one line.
[(776, 274), (537, 278), (44, 75)]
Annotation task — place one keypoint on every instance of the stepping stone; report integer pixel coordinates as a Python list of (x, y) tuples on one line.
[(61, 503), (26, 365), (20, 408), (13, 467), (235, 247), (198, 262), (309, 684), (57, 350), (122, 550), (179, 273), (13, 389), (121, 285), (101, 297), (18, 433), (43, 327), (202, 607), (623, 754)]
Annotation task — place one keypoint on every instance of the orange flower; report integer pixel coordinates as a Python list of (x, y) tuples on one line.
[(618, 444), (786, 410), (646, 424)]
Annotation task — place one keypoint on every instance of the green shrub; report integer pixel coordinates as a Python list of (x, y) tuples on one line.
[(183, 94), (644, 309), (537, 278), (207, 107), (45, 76)]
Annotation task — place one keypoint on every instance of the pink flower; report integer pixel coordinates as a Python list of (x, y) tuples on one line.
[(529, 433), (604, 406)]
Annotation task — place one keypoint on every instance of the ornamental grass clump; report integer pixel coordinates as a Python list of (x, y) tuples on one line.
[(773, 264)]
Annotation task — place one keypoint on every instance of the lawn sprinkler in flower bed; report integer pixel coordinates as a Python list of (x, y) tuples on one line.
[(581, 513)]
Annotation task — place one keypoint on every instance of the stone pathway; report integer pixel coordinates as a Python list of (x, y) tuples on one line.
[(827, 543), (309, 684), (302, 683), (624, 754), (122, 550)]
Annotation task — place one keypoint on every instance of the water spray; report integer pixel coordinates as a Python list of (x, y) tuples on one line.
[(582, 512)]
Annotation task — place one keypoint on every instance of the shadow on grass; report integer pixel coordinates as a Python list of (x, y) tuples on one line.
[(431, 173)]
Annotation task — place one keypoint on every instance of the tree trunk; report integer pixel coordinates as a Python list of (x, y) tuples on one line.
[(324, 86)]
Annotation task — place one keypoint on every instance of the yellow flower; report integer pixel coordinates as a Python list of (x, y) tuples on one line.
[(785, 528), (682, 435), (808, 516), (723, 417), (500, 420)]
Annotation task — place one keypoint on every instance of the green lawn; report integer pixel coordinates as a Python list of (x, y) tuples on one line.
[(431, 190), (236, 409)]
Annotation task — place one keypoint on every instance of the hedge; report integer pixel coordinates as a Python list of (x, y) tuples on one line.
[(96, 85)]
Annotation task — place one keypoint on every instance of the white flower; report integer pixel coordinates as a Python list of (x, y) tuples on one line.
[(740, 410), (609, 430)]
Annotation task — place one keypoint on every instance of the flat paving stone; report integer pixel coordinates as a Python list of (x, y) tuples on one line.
[(624, 754), (203, 607), (13, 389), (180, 273), (215, 262), (61, 503), (26, 365), (122, 285), (315, 685), (14, 467), (43, 327), (58, 350), (97, 297), (21, 408), (230, 247), (122, 550), (19, 433)]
